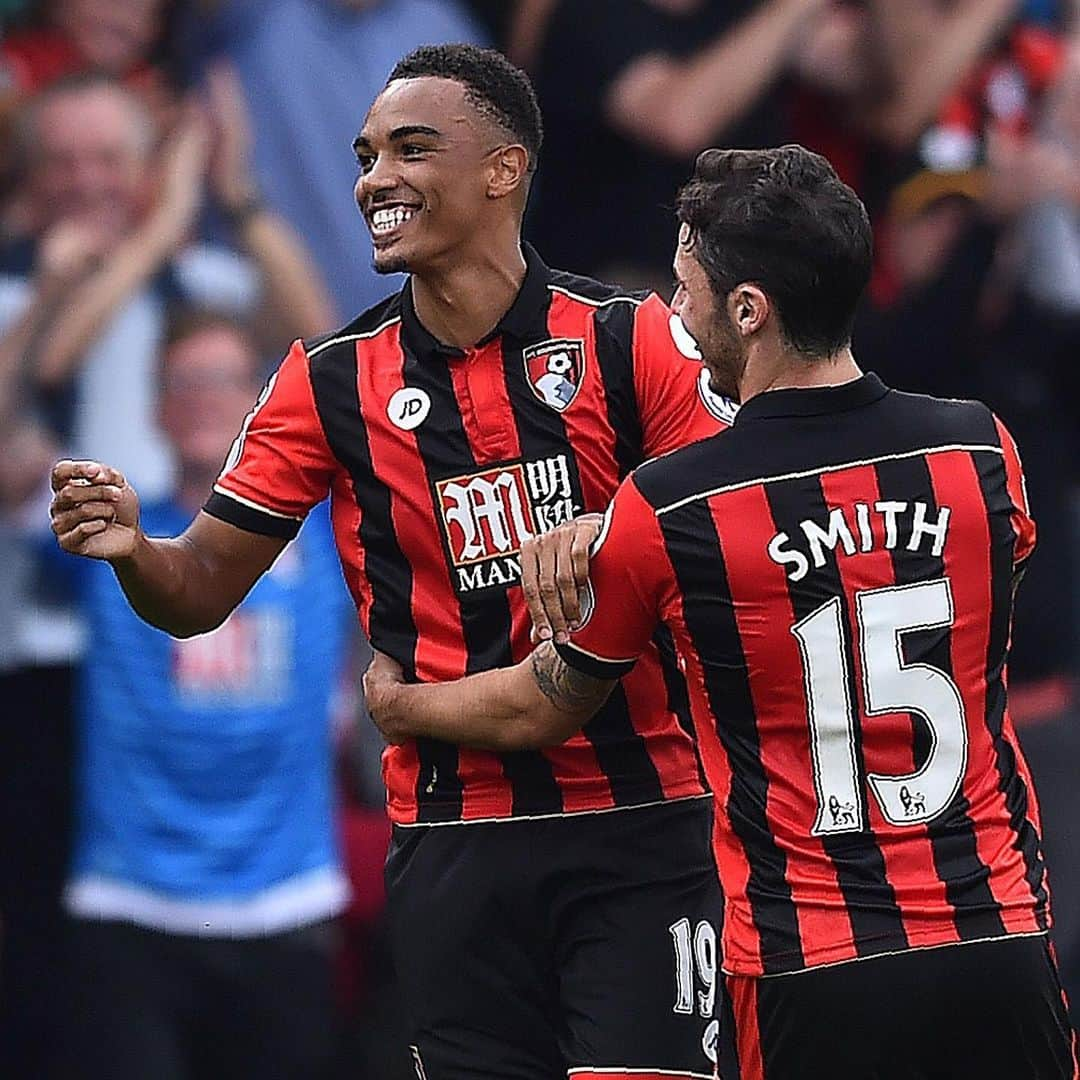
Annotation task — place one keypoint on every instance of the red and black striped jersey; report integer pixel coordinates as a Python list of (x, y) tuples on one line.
[(837, 574), (440, 462)]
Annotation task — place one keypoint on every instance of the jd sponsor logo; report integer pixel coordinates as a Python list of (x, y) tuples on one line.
[(408, 408)]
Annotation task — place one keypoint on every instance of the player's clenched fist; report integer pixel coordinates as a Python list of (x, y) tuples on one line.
[(94, 512)]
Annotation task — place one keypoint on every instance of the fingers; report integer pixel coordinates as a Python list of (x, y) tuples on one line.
[(87, 472), (73, 539), (554, 573), (530, 586), (65, 521), (543, 588)]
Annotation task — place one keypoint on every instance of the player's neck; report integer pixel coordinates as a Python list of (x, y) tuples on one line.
[(462, 303), (790, 371)]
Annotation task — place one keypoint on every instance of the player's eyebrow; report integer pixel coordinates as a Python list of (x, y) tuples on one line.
[(408, 130), (363, 143)]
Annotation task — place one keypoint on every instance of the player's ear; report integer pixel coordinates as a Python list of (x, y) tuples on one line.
[(509, 170), (748, 308)]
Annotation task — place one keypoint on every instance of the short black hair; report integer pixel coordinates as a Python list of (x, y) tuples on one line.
[(783, 219), (493, 86)]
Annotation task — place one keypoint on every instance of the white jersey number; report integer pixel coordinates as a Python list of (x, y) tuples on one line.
[(889, 686)]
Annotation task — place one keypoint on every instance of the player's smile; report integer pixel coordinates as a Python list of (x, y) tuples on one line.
[(388, 221)]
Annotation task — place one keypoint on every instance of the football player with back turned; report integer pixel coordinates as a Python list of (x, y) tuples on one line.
[(837, 571)]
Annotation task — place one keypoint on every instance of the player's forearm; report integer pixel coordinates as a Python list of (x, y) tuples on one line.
[(97, 299), (496, 710), (697, 100), (170, 586), (20, 344), (929, 54)]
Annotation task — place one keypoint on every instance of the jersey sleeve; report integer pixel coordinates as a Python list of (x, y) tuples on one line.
[(625, 595), (280, 465), (1022, 523), (674, 400)]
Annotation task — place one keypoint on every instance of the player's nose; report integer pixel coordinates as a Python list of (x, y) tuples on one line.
[(378, 180)]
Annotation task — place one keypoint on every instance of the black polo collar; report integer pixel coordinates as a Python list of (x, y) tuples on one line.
[(815, 401), (520, 318)]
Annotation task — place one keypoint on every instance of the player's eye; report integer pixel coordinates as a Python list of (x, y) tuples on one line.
[(365, 162), (413, 150)]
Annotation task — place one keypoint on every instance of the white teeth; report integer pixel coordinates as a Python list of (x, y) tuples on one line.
[(384, 221)]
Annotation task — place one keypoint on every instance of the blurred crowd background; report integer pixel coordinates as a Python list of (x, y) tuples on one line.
[(176, 206)]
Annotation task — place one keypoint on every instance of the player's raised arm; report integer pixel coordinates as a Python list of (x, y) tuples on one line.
[(184, 586)]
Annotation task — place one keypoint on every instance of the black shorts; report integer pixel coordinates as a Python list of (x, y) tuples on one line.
[(530, 949), (992, 1010)]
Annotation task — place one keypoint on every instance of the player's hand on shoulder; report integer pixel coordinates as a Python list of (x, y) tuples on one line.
[(554, 572), (94, 511), (382, 680)]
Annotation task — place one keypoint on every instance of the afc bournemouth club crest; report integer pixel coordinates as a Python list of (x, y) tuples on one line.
[(555, 369)]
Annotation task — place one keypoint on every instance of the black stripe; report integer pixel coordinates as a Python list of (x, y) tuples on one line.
[(591, 666), (876, 922), (614, 332), (248, 518), (993, 485), (952, 833), (694, 550), (334, 387), (622, 753)]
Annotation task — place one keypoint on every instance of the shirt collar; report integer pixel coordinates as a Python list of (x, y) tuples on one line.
[(813, 401), (518, 321)]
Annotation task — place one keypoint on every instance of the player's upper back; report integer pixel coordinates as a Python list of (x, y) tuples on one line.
[(843, 562)]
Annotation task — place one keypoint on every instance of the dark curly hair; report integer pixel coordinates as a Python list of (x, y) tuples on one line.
[(493, 86), (783, 219)]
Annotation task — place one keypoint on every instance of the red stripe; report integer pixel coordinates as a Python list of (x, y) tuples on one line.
[(592, 440), (764, 615), (588, 426), (887, 742), (743, 991), (741, 944), (345, 515), (966, 559), (1023, 526), (396, 459), (488, 420)]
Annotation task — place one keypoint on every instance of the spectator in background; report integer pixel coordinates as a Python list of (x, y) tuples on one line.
[(121, 38), (309, 69), (110, 241), (631, 91), (117, 37), (206, 872)]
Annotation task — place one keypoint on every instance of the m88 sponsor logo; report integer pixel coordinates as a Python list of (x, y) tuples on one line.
[(489, 514)]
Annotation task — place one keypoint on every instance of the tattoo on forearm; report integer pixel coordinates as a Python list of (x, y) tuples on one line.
[(567, 689)]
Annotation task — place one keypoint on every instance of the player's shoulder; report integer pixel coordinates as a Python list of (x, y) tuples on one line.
[(369, 326), (676, 477), (593, 293), (938, 421)]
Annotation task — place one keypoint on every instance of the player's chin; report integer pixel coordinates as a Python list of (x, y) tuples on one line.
[(390, 262)]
